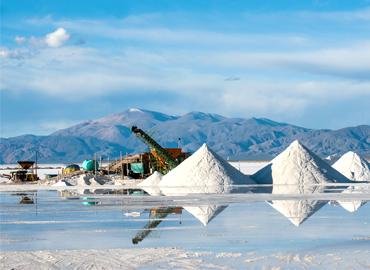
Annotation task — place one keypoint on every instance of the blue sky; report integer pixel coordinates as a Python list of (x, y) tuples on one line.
[(302, 62)]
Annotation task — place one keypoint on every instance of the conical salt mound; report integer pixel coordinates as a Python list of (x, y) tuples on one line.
[(205, 213), (353, 166), (297, 165), (150, 184), (203, 172), (297, 171)]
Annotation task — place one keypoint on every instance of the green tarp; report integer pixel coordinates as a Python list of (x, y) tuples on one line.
[(137, 167)]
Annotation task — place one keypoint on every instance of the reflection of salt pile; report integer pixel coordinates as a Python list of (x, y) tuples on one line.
[(205, 213), (355, 168), (150, 184), (202, 172), (297, 171)]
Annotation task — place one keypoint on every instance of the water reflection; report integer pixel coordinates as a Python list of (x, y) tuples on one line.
[(354, 205), (156, 216), (161, 209), (296, 211)]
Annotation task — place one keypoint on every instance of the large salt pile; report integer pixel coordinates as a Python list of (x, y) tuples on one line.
[(297, 171), (202, 172), (355, 168), (150, 184), (297, 165)]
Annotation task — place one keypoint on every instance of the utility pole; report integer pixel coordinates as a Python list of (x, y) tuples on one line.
[(120, 153), (108, 165), (95, 164), (101, 161), (36, 164)]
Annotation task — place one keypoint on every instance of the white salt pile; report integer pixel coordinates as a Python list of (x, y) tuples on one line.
[(88, 180), (202, 172), (355, 168), (61, 183), (297, 171), (297, 165), (150, 184)]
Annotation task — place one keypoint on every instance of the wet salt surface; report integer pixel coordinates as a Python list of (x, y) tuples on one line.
[(64, 220)]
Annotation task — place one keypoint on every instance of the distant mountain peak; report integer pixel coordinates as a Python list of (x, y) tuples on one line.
[(237, 138), (135, 110), (204, 116)]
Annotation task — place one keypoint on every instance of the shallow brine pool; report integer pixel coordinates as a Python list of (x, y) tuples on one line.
[(238, 229)]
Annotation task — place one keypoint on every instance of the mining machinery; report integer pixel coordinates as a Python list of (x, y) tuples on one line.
[(165, 159)]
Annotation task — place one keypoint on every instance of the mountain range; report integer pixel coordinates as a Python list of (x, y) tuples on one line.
[(233, 138)]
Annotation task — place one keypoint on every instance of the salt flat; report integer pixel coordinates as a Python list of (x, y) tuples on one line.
[(59, 231), (112, 227), (175, 258)]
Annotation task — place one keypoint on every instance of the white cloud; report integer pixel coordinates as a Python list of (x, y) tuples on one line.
[(120, 31), (348, 62), (19, 39), (57, 38), (4, 53), (278, 73), (76, 73)]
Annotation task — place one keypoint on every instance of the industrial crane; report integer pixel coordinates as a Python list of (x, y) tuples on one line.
[(167, 161)]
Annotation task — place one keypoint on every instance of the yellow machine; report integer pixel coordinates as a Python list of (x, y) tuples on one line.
[(24, 174), (71, 169)]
